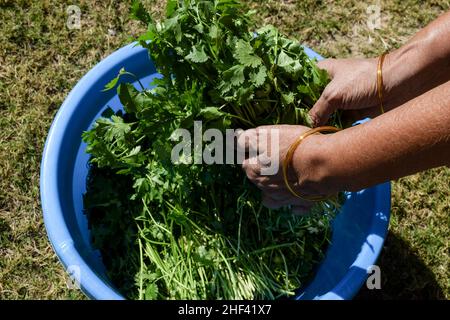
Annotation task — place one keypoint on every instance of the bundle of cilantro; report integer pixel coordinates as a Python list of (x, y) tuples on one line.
[(176, 231)]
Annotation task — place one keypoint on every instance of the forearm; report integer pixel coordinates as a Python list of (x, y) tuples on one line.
[(409, 139), (419, 65)]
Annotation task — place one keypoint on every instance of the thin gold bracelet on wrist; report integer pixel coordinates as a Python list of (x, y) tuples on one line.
[(380, 81), (290, 154)]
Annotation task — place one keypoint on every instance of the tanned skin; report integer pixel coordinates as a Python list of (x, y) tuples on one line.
[(412, 136)]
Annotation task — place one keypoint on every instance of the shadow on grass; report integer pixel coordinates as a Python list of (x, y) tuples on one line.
[(404, 276)]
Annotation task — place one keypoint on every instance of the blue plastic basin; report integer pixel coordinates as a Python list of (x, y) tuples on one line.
[(358, 231)]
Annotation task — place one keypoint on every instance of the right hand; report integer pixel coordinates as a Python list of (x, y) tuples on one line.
[(353, 87), (408, 72)]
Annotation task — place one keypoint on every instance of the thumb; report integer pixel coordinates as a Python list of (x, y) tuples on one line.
[(322, 110), (327, 65)]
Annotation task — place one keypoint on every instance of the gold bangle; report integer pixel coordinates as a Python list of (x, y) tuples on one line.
[(380, 81), (290, 154)]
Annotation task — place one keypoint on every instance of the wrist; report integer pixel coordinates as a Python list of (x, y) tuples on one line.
[(313, 166), (398, 69), (409, 71)]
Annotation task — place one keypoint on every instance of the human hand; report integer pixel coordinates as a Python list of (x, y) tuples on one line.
[(306, 175), (353, 87)]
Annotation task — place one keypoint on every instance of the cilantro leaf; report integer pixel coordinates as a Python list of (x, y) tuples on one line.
[(233, 76), (245, 55), (258, 78), (197, 55), (138, 12)]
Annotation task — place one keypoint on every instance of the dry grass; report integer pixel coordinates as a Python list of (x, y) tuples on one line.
[(41, 60)]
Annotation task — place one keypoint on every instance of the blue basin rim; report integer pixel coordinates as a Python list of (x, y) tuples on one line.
[(60, 217)]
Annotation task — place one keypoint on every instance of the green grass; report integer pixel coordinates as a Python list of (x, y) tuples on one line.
[(41, 60)]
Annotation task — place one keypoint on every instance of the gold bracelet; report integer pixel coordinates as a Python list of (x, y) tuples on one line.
[(380, 81), (290, 154)]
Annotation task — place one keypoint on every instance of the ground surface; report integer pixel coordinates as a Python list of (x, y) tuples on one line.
[(41, 60)]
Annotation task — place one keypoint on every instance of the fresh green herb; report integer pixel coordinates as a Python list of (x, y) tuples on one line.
[(199, 231)]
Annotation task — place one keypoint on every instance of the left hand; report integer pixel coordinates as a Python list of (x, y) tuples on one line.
[(264, 169)]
